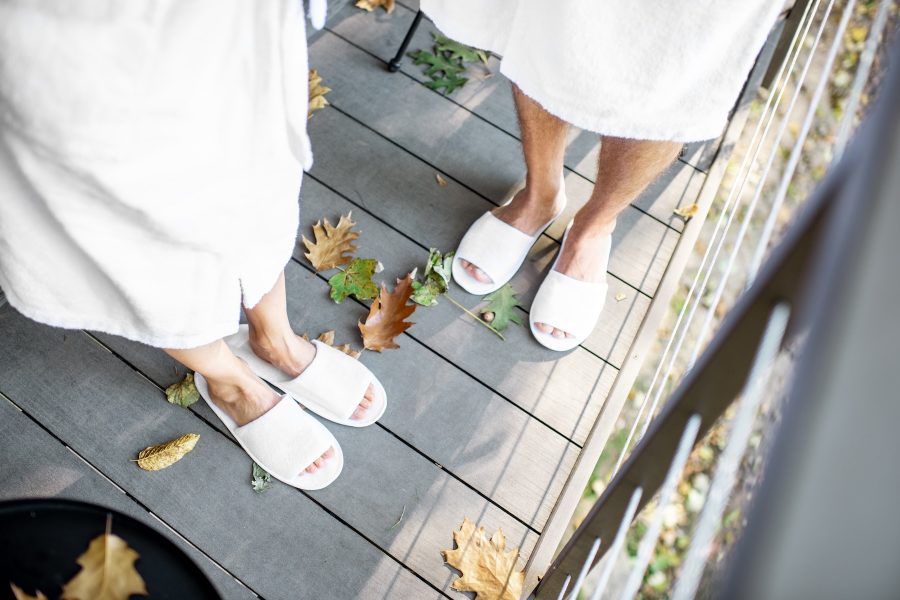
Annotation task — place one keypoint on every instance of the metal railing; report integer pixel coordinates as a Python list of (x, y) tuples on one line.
[(772, 310)]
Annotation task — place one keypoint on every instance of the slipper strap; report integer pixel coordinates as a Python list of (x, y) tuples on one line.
[(494, 246), (333, 380), (286, 439), (568, 304)]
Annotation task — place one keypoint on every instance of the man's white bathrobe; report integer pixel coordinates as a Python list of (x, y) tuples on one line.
[(151, 153), (645, 69)]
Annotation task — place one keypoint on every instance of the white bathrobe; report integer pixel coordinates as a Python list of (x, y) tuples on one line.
[(645, 69), (151, 153)]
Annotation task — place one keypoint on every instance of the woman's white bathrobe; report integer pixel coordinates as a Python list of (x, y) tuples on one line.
[(645, 69), (151, 153)]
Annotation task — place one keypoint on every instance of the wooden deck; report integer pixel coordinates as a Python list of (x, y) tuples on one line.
[(476, 427)]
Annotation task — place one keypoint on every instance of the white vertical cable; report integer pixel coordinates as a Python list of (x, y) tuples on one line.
[(751, 207), (794, 159), (613, 553), (730, 459), (588, 562), (565, 586), (648, 542), (785, 70)]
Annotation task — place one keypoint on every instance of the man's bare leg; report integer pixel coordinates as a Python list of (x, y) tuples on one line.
[(625, 168), (544, 146)]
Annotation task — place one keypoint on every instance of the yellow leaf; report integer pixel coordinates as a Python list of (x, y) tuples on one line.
[(328, 338), (333, 246), (317, 93), (159, 457), (440, 180), (370, 5), (687, 212), (621, 296), (107, 572), (21, 595), (386, 319), (488, 568), (858, 34)]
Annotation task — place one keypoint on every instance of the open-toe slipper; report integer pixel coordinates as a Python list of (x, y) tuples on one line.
[(497, 249), (567, 304), (331, 386), (284, 441)]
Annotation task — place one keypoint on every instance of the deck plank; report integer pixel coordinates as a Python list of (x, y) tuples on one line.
[(34, 464), (204, 496)]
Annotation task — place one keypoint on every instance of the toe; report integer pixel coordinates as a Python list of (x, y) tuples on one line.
[(544, 328), (366, 403), (311, 468), (370, 393), (559, 334), (319, 462), (328, 453), (477, 273), (465, 264)]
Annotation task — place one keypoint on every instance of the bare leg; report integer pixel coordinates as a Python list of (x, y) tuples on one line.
[(625, 168), (544, 146)]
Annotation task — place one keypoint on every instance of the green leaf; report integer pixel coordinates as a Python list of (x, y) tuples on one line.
[(448, 83), (355, 280), (502, 306), (436, 278), (184, 393), (438, 64), (458, 51), (261, 479)]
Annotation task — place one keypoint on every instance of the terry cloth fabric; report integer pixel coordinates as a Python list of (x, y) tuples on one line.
[(151, 153), (644, 69)]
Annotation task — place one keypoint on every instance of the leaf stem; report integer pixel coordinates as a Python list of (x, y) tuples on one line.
[(474, 316)]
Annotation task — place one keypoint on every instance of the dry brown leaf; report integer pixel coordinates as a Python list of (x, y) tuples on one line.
[(440, 180), (107, 572), (386, 319), (334, 244), (317, 93), (370, 5), (20, 594), (161, 456), (488, 568), (328, 338), (687, 212), (621, 296)]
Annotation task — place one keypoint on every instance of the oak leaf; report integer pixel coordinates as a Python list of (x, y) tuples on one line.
[(327, 337), (154, 458), (107, 572), (355, 280), (334, 245), (184, 392), (20, 594), (317, 93), (501, 308), (487, 567), (458, 51), (687, 212), (387, 316), (370, 5)]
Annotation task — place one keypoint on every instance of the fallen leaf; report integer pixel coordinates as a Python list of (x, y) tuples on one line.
[(440, 180), (621, 296), (328, 338), (687, 212), (183, 393), (458, 51), (370, 5), (261, 480), (154, 458), (502, 308), (448, 83), (355, 280), (386, 319), (487, 567), (317, 93), (436, 278), (21, 595), (107, 572), (334, 244)]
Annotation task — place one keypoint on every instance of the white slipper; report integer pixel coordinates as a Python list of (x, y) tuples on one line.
[(331, 386), (568, 304), (284, 441), (495, 247)]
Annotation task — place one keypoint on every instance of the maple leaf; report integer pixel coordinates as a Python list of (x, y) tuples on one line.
[(184, 392), (107, 572), (154, 458), (334, 244), (370, 5), (20, 594), (261, 480), (386, 318), (487, 567), (355, 280), (687, 212), (436, 275), (501, 308), (317, 93)]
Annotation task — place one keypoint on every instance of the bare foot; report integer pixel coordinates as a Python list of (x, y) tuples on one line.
[(584, 256), (292, 355), (528, 212), (249, 400)]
